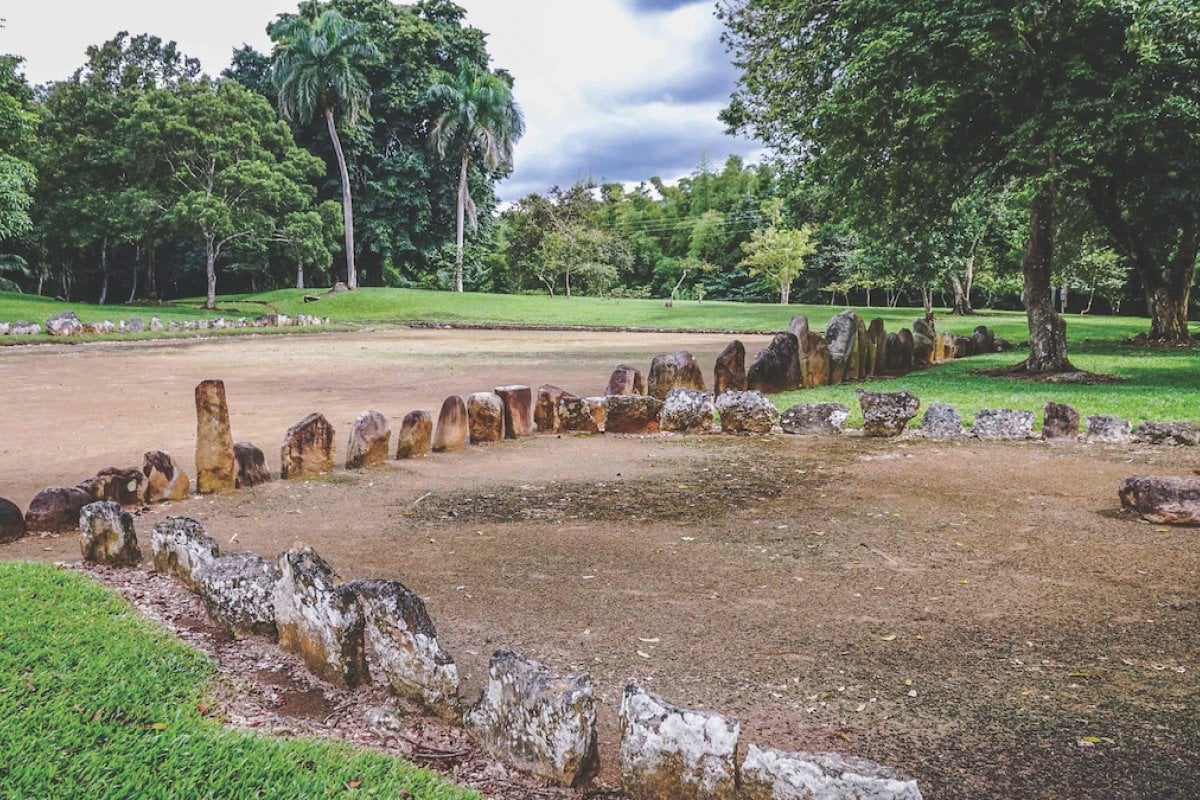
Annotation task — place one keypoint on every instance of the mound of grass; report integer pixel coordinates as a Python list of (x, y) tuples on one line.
[(97, 702)]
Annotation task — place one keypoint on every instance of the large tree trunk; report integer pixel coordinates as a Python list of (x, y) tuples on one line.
[(103, 272), (785, 292), (1047, 331), (210, 268), (300, 275), (347, 204), (462, 211)]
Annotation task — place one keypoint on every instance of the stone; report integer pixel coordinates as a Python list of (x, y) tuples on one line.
[(12, 521), (878, 338), (307, 448), (842, 337), (215, 470), (415, 439), (518, 410), (687, 411), (165, 481), (922, 354), (56, 509), (908, 346), (1059, 421), (945, 348), (4, 328), (626, 380), (768, 774), (370, 440), (860, 359), (156, 323), (401, 646), (23, 328), (729, 373), (132, 325), (1169, 433), (814, 419), (319, 619), (251, 465), (814, 360), (103, 326), (746, 412), (964, 346), (106, 535), (669, 752), (126, 487), (892, 353), (237, 590), (777, 367), (985, 340), (923, 327), (1003, 423), (942, 421), (64, 323), (887, 413), (485, 415), (1174, 501), (674, 371), (179, 546), (452, 426), (541, 721), (545, 414), (582, 414), (1106, 428), (632, 414)]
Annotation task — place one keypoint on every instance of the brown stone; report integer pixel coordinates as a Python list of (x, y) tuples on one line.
[(126, 487), (626, 380), (251, 465), (842, 337), (729, 374), (892, 353), (56, 509), (674, 371), (632, 414), (215, 470), (1165, 500), (12, 521), (485, 415), (307, 448), (1059, 421), (776, 368), (887, 413), (452, 426), (582, 414), (518, 410), (416, 435), (164, 479), (814, 353), (545, 414), (370, 440), (908, 346), (798, 327)]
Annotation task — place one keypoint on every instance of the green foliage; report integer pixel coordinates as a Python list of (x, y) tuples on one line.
[(17, 140), (778, 253), (317, 65)]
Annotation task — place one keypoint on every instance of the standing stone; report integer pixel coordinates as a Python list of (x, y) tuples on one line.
[(126, 487), (908, 347), (1003, 423), (106, 535), (860, 362), (307, 448), (582, 414), (776, 368), (814, 353), (842, 337), (798, 327), (923, 327), (891, 354), (964, 346), (922, 354), (942, 421), (56, 509), (1169, 433), (1059, 421), (251, 465), (687, 411), (453, 426), (165, 481), (370, 440), (179, 546), (878, 337), (674, 371), (65, 323), (746, 412), (485, 414), (814, 419), (887, 413), (669, 752), (416, 435), (237, 590), (773, 775), (541, 721), (545, 414), (518, 410), (729, 374), (626, 380), (945, 347), (215, 470), (1174, 501), (1105, 428), (632, 414), (985, 340), (156, 323), (12, 521)]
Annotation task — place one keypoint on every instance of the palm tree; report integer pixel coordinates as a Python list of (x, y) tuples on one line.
[(479, 118), (317, 68)]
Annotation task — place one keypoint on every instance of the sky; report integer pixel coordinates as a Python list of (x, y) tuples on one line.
[(614, 90)]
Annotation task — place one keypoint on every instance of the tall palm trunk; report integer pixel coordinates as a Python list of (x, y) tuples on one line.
[(462, 211), (347, 204)]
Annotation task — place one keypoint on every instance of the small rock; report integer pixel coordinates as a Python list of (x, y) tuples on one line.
[(582, 414), (215, 467), (518, 410), (1174, 501), (132, 325), (1059, 421), (687, 411), (814, 419), (674, 370), (307, 448), (318, 619), (545, 414), (773, 775), (23, 328), (370, 440), (64, 323), (156, 323), (632, 414), (887, 413), (942, 421), (106, 535), (485, 412), (165, 481), (1168, 433), (1105, 428), (626, 380), (729, 374), (125, 487), (12, 521), (56, 509), (777, 367), (180, 547), (746, 412), (251, 465), (237, 590), (1003, 423), (415, 439), (452, 426)]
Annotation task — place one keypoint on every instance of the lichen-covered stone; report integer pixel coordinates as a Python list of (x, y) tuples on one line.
[(238, 591), (416, 435), (626, 380), (319, 619), (1003, 423), (180, 547), (132, 325), (165, 481), (56, 509), (1165, 500), (669, 752), (401, 646), (776, 368), (370, 440), (887, 413), (215, 467), (1168, 433), (540, 721), (251, 465), (842, 336), (942, 421), (518, 410), (485, 414), (632, 414), (774, 775), (23, 328), (1059, 421), (814, 419), (687, 411), (453, 426), (126, 487), (729, 373), (674, 371), (545, 413), (582, 414), (106, 535), (12, 521), (64, 323), (922, 353), (1106, 428), (307, 448), (746, 412)]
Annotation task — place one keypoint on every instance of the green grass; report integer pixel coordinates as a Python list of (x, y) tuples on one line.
[(97, 702)]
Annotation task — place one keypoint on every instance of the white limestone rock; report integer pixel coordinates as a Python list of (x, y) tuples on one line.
[(237, 589), (180, 547), (773, 775), (318, 619), (106, 535)]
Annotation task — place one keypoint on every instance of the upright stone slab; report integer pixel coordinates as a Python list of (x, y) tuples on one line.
[(12, 521), (632, 414), (746, 412), (318, 619), (215, 470), (126, 487), (1109, 429), (814, 419), (180, 547), (626, 380), (518, 410), (877, 337), (485, 413), (106, 535), (887, 413), (674, 371), (729, 373), (669, 752), (545, 414), (814, 353), (842, 337), (922, 354), (56, 509), (906, 355), (860, 360), (453, 428), (416, 435), (891, 355), (1169, 433), (985, 340), (238, 593), (1164, 500), (541, 721), (582, 414), (777, 367), (251, 465), (165, 481), (1003, 423), (307, 448), (687, 411), (774, 775), (370, 440), (1059, 421), (942, 421)]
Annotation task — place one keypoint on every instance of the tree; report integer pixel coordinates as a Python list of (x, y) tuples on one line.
[(479, 118), (317, 68), (778, 254), (17, 137)]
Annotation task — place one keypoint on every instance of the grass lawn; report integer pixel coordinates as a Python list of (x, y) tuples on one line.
[(97, 702)]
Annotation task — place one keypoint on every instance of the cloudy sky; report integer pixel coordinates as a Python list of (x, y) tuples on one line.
[(617, 90)]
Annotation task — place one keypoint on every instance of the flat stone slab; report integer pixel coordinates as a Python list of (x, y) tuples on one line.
[(307, 448), (518, 410), (237, 590), (1109, 429), (453, 428), (1003, 423), (1165, 500), (181, 547), (632, 414), (774, 775), (746, 412), (1175, 434), (626, 380), (485, 415), (814, 419), (887, 413)]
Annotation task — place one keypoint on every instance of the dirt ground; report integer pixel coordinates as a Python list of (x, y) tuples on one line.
[(977, 615)]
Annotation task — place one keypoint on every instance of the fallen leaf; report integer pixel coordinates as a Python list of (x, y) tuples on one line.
[(840, 735), (655, 640), (157, 726), (354, 784), (643, 654), (891, 637)]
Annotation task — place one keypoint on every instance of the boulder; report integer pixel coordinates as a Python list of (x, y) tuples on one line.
[(370, 440), (942, 421), (545, 414), (878, 338), (215, 469), (319, 619), (64, 323), (4, 328), (485, 416), (416, 435), (1105, 428), (56, 509), (842, 337), (132, 325), (798, 326), (165, 481), (729, 373), (103, 326), (887, 413), (126, 487), (1169, 433), (518, 410), (814, 419), (307, 448), (1174, 501), (687, 411), (814, 361), (777, 367), (106, 535), (12, 521), (945, 348), (453, 426), (541, 721), (985, 340), (746, 412), (907, 348), (1003, 423), (582, 414), (23, 328), (1059, 421), (251, 465), (774, 775), (923, 327), (632, 414), (626, 380), (922, 353), (237, 590), (401, 646), (674, 371), (669, 752), (156, 323), (179, 546), (964, 346), (891, 355)]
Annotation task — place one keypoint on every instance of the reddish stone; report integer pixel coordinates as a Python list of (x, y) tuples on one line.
[(370, 440), (452, 426), (626, 380), (485, 414), (632, 414), (729, 373), (582, 414), (251, 465), (215, 470), (416, 435), (545, 414), (674, 371), (518, 410), (307, 448)]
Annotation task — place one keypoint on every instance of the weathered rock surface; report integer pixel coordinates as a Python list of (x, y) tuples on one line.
[(907, 349), (632, 414), (687, 411), (106, 535), (773, 775), (1105, 428), (156, 323), (777, 367), (165, 481), (729, 373), (307, 448), (814, 419), (1003, 423), (370, 440), (922, 353), (1169, 500), (626, 380), (251, 465), (887, 413), (56, 509), (23, 328), (65, 323), (545, 414), (132, 325), (518, 410), (318, 619), (669, 752), (1059, 421), (215, 469), (942, 421), (180, 547), (1168, 433), (12, 521), (237, 589), (674, 371), (582, 414), (485, 415), (985, 340), (126, 487), (416, 435), (746, 412), (539, 720), (842, 337), (877, 337), (453, 426)]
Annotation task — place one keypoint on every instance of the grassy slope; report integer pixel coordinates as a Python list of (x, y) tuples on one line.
[(97, 701)]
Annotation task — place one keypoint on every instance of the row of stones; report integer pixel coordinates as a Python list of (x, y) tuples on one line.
[(543, 722), (67, 324)]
